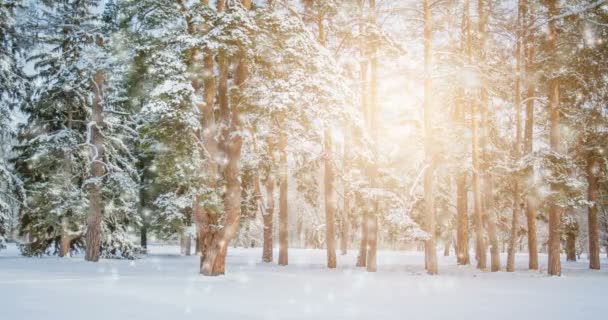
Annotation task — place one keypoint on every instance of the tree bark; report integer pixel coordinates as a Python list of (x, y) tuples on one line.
[(64, 245), (344, 226), (593, 227), (554, 264), (529, 136), (269, 214), (480, 246), (429, 193), (214, 261), (463, 221), (571, 245), (283, 214), (330, 235), (329, 202), (462, 206), (372, 228), (362, 257), (93, 235), (488, 204), (516, 147)]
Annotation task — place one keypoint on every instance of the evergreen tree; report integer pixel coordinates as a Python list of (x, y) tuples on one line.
[(55, 144), (12, 88)]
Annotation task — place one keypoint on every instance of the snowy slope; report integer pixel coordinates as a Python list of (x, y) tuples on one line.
[(167, 286)]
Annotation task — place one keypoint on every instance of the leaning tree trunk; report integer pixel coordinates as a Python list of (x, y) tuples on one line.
[(516, 147), (93, 235), (554, 264), (429, 196), (268, 216), (592, 197)]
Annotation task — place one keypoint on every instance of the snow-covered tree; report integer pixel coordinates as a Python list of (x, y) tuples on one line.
[(12, 89), (73, 47)]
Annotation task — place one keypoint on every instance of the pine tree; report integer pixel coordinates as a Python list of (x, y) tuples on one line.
[(12, 89), (55, 144)]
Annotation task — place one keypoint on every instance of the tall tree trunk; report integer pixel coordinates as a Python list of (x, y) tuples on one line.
[(592, 197), (554, 264), (206, 218), (488, 204), (480, 246), (344, 226), (529, 136), (462, 206), (517, 146), (429, 193), (330, 235), (372, 219), (269, 214), (93, 235), (215, 260), (65, 242), (283, 214), (329, 202), (362, 257)]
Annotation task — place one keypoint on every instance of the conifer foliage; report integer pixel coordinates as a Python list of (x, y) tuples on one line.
[(381, 124)]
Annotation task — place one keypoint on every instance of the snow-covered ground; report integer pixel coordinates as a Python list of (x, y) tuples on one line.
[(167, 286)]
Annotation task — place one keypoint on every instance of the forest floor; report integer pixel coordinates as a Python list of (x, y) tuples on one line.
[(167, 286)]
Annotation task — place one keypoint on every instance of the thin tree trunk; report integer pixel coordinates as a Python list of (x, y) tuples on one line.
[(93, 235), (329, 202), (462, 206), (344, 226), (329, 175), (488, 209), (64, 245), (283, 214), (593, 227), (144, 237), (429, 193), (463, 221), (372, 219), (517, 146), (554, 264), (480, 246), (362, 257), (529, 137), (269, 214)]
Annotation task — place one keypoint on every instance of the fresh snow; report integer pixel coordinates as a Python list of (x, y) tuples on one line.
[(164, 285)]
